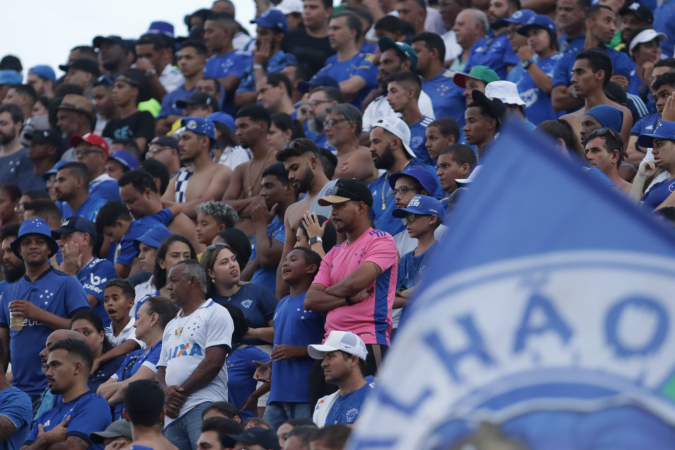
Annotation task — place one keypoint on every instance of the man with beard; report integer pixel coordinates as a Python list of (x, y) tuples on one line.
[(203, 179), (12, 266), (72, 188), (15, 167), (320, 99), (113, 54), (495, 50), (302, 160), (243, 193), (81, 412), (44, 298)]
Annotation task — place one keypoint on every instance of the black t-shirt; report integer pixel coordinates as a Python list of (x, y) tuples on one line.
[(139, 124), (309, 50)]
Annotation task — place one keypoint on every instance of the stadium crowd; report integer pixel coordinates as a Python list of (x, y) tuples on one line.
[(209, 241)]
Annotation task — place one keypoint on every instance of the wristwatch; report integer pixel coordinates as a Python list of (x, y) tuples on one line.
[(526, 63), (258, 67), (150, 73), (314, 240)]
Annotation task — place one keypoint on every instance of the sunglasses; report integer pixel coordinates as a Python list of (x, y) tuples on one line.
[(337, 188), (332, 122)]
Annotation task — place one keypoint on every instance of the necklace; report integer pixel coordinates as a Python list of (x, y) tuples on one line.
[(179, 330), (384, 196), (250, 167)]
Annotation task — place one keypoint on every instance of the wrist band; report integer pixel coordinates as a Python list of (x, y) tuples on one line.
[(349, 301)]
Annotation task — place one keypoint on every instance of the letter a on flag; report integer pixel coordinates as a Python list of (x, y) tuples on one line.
[(544, 322)]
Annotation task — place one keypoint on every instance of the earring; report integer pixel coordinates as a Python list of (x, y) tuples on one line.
[(213, 280)]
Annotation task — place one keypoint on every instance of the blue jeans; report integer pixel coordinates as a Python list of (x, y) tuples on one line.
[(277, 413), (185, 431)]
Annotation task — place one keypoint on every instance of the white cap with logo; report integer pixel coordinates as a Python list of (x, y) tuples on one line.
[(506, 91), (398, 128), (346, 341)]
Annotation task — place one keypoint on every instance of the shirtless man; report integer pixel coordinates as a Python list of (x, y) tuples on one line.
[(144, 410), (243, 193), (590, 74), (343, 129), (204, 179), (604, 150), (139, 193), (302, 160)]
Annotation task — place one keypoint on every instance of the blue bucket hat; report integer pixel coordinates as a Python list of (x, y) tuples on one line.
[(607, 116), (35, 226), (422, 205), (272, 18), (125, 158), (223, 118), (44, 71), (320, 79), (423, 177), (199, 125), (665, 130), (161, 27), (10, 77), (153, 237), (539, 20)]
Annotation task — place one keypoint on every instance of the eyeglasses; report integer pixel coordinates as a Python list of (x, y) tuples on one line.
[(86, 151), (296, 144), (158, 150), (337, 188), (403, 190), (316, 103), (215, 246), (332, 122), (410, 218)]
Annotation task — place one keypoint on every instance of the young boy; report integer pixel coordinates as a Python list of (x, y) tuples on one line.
[(440, 133), (422, 216), (294, 329), (455, 162)]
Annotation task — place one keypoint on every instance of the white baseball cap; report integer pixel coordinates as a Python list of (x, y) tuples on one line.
[(506, 91), (644, 37), (290, 6), (398, 128), (346, 341), (461, 182)]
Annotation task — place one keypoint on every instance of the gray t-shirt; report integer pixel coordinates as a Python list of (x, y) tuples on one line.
[(323, 210)]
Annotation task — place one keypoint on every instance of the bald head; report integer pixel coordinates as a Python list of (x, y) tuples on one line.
[(57, 336)]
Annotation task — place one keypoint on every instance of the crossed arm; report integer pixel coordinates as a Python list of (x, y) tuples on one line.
[(355, 285)]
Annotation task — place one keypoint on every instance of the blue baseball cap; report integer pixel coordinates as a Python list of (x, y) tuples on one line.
[(539, 20), (272, 18), (35, 226), (153, 237), (160, 27), (422, 175), (53, 170), (125, 158), (423, 205), (44, 71), (10, 77), (607, 116), (320, 79), (665, 130), (223, 118), (199, 125), (73, 224), (519, 17)]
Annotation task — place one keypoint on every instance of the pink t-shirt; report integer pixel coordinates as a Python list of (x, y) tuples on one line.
[(370, 319)]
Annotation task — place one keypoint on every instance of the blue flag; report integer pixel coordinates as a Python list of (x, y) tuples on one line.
[(545, 319)]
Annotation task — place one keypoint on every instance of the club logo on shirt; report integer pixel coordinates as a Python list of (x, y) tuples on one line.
[(417, 141), (351, 415), (185, 350), (247, 303)]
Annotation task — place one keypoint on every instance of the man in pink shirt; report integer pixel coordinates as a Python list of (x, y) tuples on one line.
[(356, 283)]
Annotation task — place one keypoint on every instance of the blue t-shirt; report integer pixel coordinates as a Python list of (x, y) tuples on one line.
[(275, 64), (105, 189), (360, 65), (138, 228), (447, 98), (232, 63), (88, 209), (411, 267), (658, 194), (418, 140), (664, 22), (258, 304), (621, 64), (646, 125), (130, 366), (346, 408), (93, 277), (574, 45), (321, 140), (55, 292), (169, 107), (294, 325), (538, 106), (104, 372), (268, 277), (88, 413), (17, 407), (240, 370), (493, 52)]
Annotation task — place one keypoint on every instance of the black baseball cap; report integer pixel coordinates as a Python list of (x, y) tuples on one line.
[(263, 437), (347, 189), (166, 141), (84, 64), (640, 10), (493, 105), (199, 98), (50, 136), (73, 224), (99, 40)]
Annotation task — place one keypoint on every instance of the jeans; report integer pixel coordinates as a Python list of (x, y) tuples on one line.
[(277, 413), (185, 431)]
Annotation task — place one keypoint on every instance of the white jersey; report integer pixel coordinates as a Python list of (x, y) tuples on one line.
[(184, 347), (323, 407), (129, 332), (379, 108), (234, 156)]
